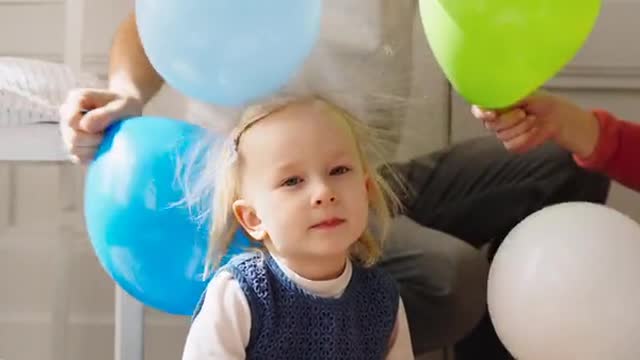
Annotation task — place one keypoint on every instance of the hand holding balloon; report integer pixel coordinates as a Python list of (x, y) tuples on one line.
[(540, 118), (145, 238)]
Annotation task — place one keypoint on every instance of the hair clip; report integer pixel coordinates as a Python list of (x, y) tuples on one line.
[(232, 149)]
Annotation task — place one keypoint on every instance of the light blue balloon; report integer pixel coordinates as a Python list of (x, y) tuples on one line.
[(228, 52), (148, 241)]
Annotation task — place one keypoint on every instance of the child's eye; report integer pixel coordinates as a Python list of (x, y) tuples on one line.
[(339, 170), (292, 181)]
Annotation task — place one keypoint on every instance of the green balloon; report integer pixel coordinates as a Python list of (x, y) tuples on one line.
[(497, 52)]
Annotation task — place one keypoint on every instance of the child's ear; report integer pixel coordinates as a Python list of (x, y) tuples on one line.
[(367, 183), (248, 219), (373, 189)]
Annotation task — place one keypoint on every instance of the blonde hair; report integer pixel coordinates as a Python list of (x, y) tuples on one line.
[(382, 201)]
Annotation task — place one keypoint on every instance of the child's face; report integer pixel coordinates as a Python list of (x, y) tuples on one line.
[(304, 190)]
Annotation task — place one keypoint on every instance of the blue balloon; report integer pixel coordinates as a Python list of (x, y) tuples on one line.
[(146, 238), (228, 52)]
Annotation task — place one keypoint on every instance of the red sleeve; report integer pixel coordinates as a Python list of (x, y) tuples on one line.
[(617, 152)]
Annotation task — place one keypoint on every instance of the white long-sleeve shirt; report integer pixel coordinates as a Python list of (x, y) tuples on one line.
[(222, 328)]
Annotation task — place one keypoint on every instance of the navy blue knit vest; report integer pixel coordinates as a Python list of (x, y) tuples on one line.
[(287, 322)]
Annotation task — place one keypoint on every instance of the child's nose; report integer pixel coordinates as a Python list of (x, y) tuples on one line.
[(320, 201), (324, 195)]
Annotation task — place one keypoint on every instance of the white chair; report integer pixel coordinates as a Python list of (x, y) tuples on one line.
[(129, 313)]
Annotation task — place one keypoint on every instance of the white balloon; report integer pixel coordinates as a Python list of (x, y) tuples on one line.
[(565, 285)]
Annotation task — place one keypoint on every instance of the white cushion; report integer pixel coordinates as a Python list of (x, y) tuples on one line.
[(32, 90)]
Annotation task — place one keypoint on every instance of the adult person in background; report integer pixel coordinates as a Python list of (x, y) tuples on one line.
[(474, 191)]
